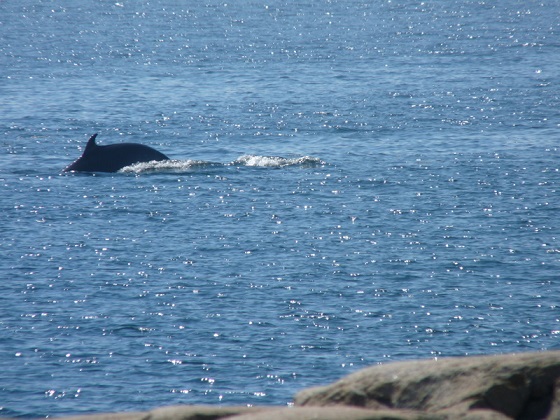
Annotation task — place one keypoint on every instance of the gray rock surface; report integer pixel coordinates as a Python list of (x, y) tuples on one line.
[(514, 386), (517, 386)]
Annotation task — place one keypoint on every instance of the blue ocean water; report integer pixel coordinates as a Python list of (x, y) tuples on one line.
[(353, 183)]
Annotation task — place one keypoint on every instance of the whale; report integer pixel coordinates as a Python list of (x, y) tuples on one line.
[(113, 157)]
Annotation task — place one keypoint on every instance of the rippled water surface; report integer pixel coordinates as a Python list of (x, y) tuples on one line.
[(351, 183)]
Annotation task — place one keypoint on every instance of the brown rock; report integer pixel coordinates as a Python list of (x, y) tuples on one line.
[(199, 412), (517, 386), (335, 413), (131, 415), (174, 412)]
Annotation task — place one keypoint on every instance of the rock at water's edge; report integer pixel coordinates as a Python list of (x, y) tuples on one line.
[(514, 386), (525, 385)]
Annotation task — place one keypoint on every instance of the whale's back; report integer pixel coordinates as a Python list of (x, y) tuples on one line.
[(113, 157)]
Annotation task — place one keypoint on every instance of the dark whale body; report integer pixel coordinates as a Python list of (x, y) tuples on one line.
[(113, 157)]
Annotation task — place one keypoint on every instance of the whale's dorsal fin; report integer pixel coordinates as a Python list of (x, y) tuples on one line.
[(90, 144)]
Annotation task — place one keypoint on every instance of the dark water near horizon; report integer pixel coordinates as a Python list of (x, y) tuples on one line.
[(353, 183)]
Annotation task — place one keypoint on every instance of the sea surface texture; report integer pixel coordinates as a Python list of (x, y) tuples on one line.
[(352, 183)]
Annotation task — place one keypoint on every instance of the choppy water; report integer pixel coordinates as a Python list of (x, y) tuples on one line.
[(352, 183)]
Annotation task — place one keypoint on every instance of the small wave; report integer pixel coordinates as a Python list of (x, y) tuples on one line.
[(276, 161), (172, 165)]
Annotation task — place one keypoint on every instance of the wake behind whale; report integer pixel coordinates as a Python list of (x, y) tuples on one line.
[(138, 158), (254, 161)]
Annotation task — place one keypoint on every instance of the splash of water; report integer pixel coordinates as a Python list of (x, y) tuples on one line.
[(245, 160)]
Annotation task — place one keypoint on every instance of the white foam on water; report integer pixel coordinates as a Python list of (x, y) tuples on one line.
[(275, 161), (173, 165)]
